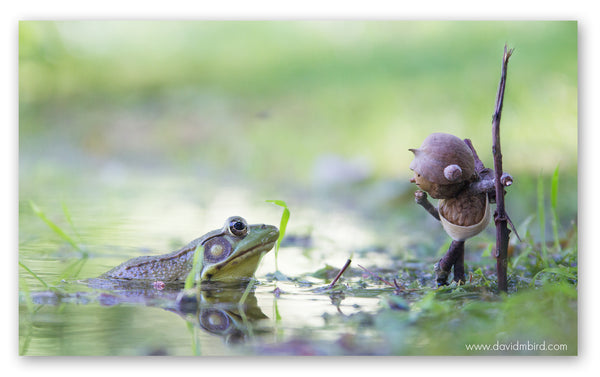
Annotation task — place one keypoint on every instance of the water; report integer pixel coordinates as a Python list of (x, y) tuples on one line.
[(152, 214), (108, 218)]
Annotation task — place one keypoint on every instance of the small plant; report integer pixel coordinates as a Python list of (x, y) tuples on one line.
[(285, 216), (555, 260)]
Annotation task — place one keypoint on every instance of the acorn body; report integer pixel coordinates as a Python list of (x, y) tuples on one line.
[(464, 216)]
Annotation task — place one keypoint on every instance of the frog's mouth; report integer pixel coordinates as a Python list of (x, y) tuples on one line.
[(243, 262)]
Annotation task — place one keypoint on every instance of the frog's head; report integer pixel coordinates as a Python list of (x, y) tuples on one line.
[(233, 253)]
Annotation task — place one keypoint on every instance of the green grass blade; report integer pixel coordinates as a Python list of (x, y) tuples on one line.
[(194, 277), (553, 207), (73, 270), (542, 220), (54, 227), (562, 272), (285, 216), (70, 221), (34, 275)]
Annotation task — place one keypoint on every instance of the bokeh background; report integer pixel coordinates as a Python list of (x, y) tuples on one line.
[(268, 101)]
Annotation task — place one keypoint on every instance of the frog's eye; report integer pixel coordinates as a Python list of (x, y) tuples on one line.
[(216, 250), (238, 226), (214, 320)]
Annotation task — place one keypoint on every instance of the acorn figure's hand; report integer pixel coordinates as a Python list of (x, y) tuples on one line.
[(421, 199)]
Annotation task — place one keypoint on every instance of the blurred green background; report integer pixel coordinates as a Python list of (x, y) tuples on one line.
[(278, 101)]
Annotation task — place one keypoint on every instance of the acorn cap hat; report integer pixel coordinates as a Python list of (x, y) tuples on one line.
[(435, 158)]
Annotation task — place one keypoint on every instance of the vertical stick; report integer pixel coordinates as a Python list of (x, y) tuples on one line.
[(500, 218)]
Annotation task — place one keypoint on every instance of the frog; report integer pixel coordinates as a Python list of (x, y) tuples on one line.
[(230, 254)]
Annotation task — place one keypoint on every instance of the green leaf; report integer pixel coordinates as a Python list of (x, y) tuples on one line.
[(285, 216)]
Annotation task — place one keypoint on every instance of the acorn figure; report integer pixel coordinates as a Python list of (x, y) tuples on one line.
[(445, 168)]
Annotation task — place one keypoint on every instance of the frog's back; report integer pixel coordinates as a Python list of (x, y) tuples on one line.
[(170, 267)]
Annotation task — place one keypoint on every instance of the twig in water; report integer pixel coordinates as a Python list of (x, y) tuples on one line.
[(340, 273), (397, 286), (376, 276)]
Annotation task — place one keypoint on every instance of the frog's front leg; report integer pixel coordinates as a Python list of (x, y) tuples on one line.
[(421, 199)]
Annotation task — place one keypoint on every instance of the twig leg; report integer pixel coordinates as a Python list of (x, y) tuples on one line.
[(459, 265), (454, 257)]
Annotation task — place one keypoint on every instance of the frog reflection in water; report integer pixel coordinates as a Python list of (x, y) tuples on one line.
[(230, 254)]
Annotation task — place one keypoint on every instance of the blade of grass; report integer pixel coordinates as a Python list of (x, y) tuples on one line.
[(70, 221), (285, 216), (557, 271), (249, 287), (54, 227), (73, 270), (553, 206), (542, 220), (34, 275), (194, 277)]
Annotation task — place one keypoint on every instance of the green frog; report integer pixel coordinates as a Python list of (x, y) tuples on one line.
[(231, 253)]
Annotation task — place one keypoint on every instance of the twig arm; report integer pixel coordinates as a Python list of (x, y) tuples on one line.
[(421, 199)]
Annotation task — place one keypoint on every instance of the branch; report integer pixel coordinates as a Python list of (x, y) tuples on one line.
[(340, 273), (500, 219)]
